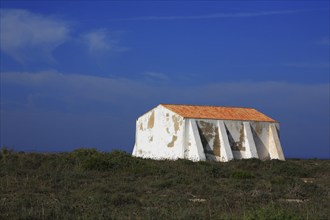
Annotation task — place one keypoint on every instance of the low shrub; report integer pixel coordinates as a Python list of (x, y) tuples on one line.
[(5, 152), (218, 172), (120, 199), (87, 184), (271, 213), (91, 159), (289, 169), (241, 174)]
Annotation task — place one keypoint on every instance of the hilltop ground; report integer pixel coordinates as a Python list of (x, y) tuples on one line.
[(87, 184)]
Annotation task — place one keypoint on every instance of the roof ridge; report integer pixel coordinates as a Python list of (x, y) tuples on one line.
[(218, 112), (208, 106)]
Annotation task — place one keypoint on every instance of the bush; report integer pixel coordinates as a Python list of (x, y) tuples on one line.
[(241, 174), (5, 152), (120, 199), (91, 159), (218, 172), (98, 162), (271, 213), (289, 169), (121, 160), (83, 153)]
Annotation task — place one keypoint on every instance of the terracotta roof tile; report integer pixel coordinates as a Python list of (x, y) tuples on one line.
[(218, 112)]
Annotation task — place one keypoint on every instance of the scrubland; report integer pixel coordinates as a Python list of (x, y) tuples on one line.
[(88, 184)]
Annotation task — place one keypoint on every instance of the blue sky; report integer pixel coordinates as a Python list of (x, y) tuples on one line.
[(78, 74)]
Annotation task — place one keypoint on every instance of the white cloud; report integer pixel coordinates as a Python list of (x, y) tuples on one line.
[(324, 41), (25, 35), (212, 16), (29, 37), (97, 40), (75, 87), (309, 64), (87, 88), (155, 75)]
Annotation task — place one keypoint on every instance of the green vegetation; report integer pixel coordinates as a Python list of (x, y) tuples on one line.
[(87, 184)]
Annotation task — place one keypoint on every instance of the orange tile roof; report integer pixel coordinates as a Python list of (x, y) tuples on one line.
[(218, 112)]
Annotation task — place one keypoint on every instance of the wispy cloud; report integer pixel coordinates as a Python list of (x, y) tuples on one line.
[(211, 16), (28, 37), (97, 40), (318, 65), (156, 75), (325, 41), (114, 90), (25, 35), (115, 103), (102, 40), (73, 88)]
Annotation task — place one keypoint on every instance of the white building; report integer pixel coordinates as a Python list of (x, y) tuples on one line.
[(206, 133)]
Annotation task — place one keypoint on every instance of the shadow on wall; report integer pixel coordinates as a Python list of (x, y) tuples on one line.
[(262, 151), (209, 136)]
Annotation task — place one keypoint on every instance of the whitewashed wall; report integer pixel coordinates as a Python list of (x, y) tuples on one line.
[(193, 148), (163, 134), (159, 135), (260, 132)]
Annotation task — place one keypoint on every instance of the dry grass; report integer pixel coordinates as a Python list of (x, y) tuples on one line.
[(87, 184)]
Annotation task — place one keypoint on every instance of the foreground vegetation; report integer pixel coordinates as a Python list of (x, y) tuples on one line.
[(87, 184)]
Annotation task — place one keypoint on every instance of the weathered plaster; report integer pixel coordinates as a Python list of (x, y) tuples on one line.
[(251, 150), (151, 121), (174, 138), (163, 134), (275, 148), (209, 134), (226, 151), (194, 151)]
